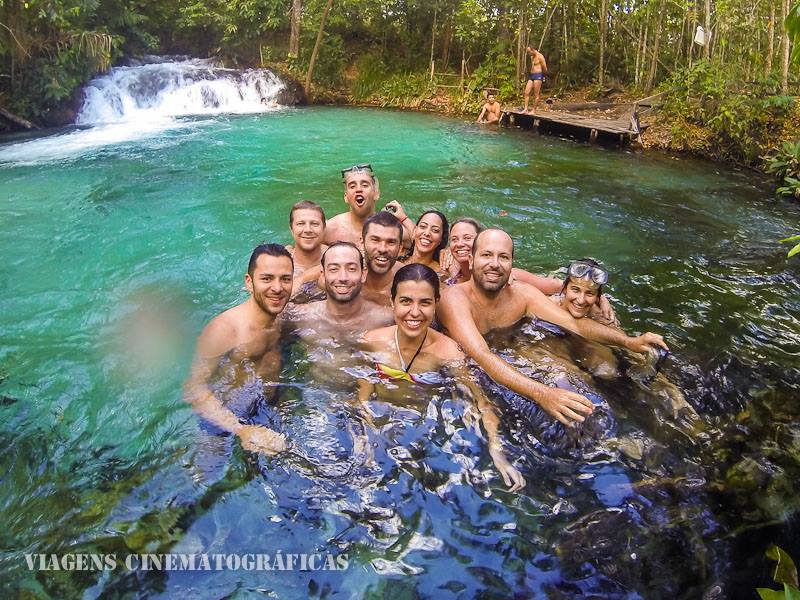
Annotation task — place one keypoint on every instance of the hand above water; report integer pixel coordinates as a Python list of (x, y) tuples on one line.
[(512, 478), (398, 210), (645, 342), (564, 405), (260, 439), (606, 311)]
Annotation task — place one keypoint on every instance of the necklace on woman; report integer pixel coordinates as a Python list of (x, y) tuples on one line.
[(403, 365)]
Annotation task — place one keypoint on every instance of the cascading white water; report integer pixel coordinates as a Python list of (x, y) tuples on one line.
[(172, 89), (138, 102)]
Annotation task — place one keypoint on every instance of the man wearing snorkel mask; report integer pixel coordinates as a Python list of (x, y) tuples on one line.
[(361, 192)]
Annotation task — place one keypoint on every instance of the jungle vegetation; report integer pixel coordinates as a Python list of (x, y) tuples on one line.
[(729, 97)]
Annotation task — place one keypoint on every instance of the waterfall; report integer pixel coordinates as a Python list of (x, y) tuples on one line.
[(145, 100), (171, 88)]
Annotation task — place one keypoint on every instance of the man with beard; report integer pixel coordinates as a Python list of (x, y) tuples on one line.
[(361, 192), (345, 314), (382, 238), (241, 345), (470, 310)]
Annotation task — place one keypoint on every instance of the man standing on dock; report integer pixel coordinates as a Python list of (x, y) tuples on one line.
[(535, 78)]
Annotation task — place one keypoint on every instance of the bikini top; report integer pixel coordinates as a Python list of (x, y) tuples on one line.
[(387, 373)]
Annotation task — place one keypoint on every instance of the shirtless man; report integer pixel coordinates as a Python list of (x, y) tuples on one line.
[(491, 111), (345, 314), (307, 223), (535, 78), (470, 310), (382, 238), (361, 192), (245, 338)]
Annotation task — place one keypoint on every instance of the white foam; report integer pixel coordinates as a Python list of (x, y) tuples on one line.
[(135, 103)]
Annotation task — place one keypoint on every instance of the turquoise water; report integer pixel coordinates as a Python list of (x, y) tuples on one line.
[(114, 256)]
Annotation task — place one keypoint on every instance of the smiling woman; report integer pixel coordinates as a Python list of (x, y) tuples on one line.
[(430, 238), (410, 353)]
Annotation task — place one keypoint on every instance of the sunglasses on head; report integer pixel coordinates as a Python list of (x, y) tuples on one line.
[(356, 169), (583, 270)]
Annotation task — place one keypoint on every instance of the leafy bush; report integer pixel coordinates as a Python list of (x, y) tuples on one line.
[(371, 75), (785, 164), (742, 120)]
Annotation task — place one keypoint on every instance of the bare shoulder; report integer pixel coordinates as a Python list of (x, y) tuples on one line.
[(377, 335), (444, 347), (221, 333)]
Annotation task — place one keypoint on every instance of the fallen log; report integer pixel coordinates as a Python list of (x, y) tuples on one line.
[(9, 116)]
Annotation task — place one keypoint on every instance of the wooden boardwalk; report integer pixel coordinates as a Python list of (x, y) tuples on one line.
[(620, 130)]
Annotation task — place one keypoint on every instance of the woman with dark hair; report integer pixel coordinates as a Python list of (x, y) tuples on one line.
[(410, 354), (430, 238)]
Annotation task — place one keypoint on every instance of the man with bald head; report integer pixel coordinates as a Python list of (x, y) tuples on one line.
[(470, 310), (361, 192)]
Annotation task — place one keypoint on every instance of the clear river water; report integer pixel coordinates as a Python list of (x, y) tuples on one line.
[(121, 241)]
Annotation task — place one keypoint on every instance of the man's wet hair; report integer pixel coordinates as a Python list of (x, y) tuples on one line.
[(416, 272), (475, 244), (276, 250), (339, 245), (470, 221), (385, 219), (306, 205)]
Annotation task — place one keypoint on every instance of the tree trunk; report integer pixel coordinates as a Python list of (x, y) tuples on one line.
[(520, 43), (603, 21), (294, 34), (316, 45), (770, 38), (707, 46), (656, 45), (448, 40), (433, 39), (785, 48)]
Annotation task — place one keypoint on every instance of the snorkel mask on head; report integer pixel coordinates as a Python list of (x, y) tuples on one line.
[(362, 168), (583, 269)]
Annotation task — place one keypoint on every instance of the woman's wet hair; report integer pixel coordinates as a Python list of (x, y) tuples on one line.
[(270, 250), (470, 221), (416, 272), (591, 262), (445, 234)]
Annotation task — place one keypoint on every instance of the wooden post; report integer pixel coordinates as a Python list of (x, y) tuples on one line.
[(461, 81)]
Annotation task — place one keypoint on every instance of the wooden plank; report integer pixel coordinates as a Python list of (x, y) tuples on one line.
[(581, 121)]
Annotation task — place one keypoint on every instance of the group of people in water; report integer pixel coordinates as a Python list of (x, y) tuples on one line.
[(416, 299)]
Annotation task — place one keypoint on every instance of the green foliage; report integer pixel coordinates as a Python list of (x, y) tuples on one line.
[(372, 72), (796, 249), (785, 573), (784, 163), (405, 90), (331, 58), (741, 120), (792, 25)]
